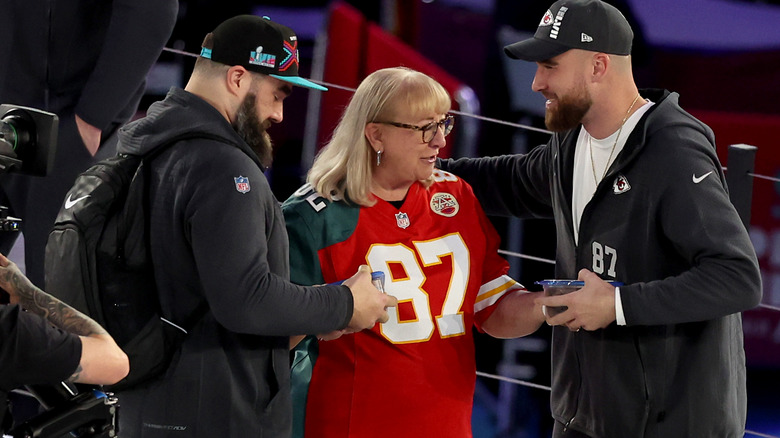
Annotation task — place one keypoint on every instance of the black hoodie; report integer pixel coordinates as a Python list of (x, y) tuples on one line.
[(218, 237), (661, 222)]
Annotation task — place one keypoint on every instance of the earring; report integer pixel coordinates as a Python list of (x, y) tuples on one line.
[(378, 157)]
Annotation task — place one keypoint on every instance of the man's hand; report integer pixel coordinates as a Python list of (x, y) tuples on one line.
[(370, 304), (90, 135), (590, 308), (10, 278)]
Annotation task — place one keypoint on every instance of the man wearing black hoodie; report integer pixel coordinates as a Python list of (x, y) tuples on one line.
[(639, 197), (218, 239)]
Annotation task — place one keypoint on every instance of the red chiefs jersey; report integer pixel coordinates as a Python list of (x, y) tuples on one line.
[(413, 376)]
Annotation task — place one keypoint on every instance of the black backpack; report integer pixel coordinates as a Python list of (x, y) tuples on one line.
[(97, 260)]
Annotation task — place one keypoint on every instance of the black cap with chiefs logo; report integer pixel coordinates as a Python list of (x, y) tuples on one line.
[(576, 24)]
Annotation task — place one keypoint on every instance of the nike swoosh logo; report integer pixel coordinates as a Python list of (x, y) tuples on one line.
[(71, 202), (698, 179)]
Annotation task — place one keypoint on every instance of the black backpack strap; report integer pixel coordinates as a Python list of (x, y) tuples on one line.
[(147, 158)]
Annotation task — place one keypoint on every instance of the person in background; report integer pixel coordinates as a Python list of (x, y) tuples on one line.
[(45, 341), (219, 246), (87, 62), (373, 196), (638, 196)]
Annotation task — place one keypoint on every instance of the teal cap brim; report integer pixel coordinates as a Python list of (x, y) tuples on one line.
[(301, 82)]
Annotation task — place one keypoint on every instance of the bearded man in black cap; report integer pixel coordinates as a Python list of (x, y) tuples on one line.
[(219, 245), (638, 197)]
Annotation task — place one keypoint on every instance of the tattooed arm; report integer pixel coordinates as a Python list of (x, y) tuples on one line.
[(102, 361)]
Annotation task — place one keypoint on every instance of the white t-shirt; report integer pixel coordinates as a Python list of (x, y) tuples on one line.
[(584, 183)]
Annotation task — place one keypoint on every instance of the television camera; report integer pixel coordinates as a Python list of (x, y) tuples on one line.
[(28, 138)]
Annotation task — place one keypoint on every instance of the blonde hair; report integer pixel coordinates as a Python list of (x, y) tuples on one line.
[(343, 168)]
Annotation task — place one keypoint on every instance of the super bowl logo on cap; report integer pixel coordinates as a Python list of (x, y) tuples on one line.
[(444, 204), (242, 184), (262, 59)]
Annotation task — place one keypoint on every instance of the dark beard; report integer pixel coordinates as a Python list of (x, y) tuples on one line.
[(253, 131), (571, 109)]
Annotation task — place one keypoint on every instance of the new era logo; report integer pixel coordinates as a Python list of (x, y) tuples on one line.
[(585, 38)]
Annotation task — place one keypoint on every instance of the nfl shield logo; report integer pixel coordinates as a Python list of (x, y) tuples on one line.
[(402, 219), (242, 184)]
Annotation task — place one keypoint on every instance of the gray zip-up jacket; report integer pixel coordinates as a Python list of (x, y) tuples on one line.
[(661, 222), (218, 237)]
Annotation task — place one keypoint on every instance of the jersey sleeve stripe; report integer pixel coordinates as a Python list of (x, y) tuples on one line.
[(493, 290)]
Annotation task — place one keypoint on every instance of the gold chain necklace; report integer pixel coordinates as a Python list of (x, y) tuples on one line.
[(614, 145)]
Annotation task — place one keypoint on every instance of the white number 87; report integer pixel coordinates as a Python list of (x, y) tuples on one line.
[(449, 320)]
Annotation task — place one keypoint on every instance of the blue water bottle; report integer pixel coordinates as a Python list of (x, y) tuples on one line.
[(378, 279)]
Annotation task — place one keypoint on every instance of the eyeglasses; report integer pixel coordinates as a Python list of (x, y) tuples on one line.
[(428, 131)]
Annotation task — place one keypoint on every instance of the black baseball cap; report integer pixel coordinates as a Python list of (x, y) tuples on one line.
[(576, 24), (259, 45)]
